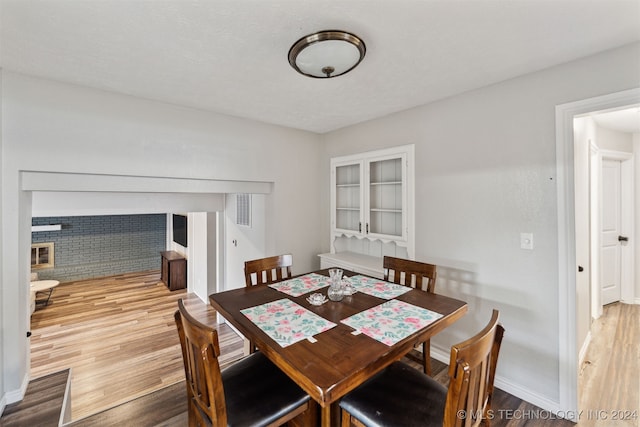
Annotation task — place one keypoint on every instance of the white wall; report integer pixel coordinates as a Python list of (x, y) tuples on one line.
[(614, 140), (485, 172), (245, 242), (54, 127), (60, 203), (212, 254), (197, 253)]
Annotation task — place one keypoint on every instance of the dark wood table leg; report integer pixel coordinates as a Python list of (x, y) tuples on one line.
[(330, 415)]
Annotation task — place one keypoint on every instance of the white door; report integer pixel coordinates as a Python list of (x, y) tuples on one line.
[(610, 255)]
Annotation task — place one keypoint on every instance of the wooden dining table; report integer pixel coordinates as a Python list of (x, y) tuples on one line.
[(339, 360)]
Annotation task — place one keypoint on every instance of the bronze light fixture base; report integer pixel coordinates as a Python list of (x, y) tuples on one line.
[(327, 54)]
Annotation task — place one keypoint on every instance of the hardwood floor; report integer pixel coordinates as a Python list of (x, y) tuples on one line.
[(165, 407), (119, 338), (610, 372), (44, 403)]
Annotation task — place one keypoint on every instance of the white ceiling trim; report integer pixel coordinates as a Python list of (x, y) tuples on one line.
[(61, 181)]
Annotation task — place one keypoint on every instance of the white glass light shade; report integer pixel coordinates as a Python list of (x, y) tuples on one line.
[(326, 54), (339, 55)]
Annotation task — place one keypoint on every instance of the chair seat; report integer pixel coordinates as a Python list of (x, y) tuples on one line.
[(249, 386), (398, 396)]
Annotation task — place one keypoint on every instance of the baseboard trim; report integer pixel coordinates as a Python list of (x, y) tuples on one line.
[(65, 412), (440, 354), (14, 396), (517, 390), (585, 347), (3, 404), (536, 399)]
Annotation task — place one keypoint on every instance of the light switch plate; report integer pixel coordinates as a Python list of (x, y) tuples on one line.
[(526, 241)]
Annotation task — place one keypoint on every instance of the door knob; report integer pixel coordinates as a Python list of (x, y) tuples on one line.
[(580, 269), (623, 239)]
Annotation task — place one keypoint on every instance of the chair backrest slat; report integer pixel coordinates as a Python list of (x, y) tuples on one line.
[(267, 270), (410, 273)]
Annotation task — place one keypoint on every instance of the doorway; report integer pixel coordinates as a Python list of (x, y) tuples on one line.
[(62, 194), (568, 260), (604, 222), (604, 211)]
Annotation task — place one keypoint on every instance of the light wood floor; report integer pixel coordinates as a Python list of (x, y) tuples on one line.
[(121, 344), (610, 373), (119, 338)]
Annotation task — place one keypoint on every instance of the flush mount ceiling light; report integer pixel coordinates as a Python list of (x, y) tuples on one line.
[(327, 54)]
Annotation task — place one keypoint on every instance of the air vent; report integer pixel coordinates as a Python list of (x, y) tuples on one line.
[(243, 209)]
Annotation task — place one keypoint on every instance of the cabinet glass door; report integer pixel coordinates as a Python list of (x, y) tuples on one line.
[(348, 197), (386, 197)]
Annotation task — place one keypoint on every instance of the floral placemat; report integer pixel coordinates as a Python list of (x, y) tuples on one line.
[(391, 321), (377, 288), (286, 322), (301, 285)]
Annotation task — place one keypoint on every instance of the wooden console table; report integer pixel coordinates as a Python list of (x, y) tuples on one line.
[(174, 270)]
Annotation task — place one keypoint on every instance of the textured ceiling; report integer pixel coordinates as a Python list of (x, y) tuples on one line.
[(230, 56)]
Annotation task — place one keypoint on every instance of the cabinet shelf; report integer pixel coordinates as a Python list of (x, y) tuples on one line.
[(386, 183), (356, 185), (386, 210), (348, 209)]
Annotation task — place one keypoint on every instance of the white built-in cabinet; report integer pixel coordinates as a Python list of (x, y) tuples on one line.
[(372, 202)]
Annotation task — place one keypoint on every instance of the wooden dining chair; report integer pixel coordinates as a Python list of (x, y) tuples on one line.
[(268, 270), (403, 396), (417, 275), (253, 391)]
